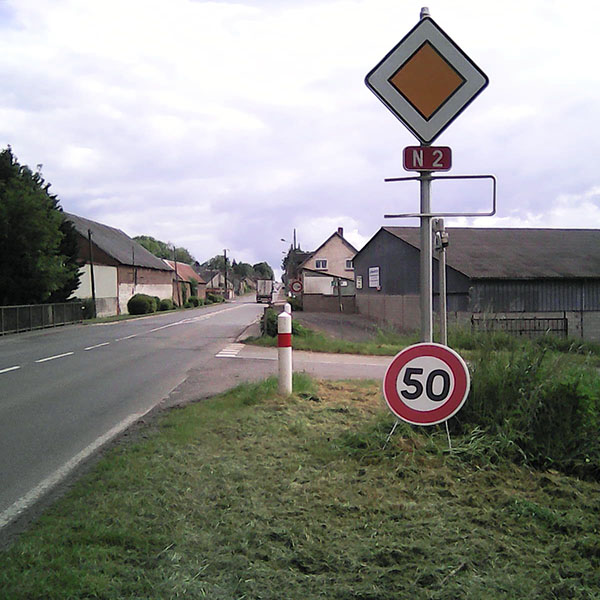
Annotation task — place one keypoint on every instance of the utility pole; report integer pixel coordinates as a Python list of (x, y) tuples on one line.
[(92, 273), (225, 268), (176, 276)]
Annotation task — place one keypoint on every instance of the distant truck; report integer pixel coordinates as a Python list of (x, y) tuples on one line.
[(264, 290)]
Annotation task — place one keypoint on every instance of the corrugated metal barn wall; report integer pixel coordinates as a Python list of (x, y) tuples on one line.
[(535, 296)]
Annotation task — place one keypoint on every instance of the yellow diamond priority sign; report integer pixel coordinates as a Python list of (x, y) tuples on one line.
[(426, 80)]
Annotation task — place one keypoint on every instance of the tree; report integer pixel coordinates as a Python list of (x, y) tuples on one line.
[(242, 269), (291, 261), (216, 263), (38, 246), (164, 250), (262, 270)]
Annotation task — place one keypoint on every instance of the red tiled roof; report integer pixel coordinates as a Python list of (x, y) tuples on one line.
[(184, 271)]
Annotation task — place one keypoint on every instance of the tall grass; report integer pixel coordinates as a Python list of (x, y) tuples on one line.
[(545, 406)]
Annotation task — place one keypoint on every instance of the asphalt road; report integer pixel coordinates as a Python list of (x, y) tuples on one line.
[(66, 392)]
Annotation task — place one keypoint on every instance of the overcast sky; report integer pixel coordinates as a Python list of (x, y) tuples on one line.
[(223, 124)]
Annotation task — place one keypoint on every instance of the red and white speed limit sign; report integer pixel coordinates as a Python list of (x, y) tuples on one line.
[(296, 286), (426, 384)]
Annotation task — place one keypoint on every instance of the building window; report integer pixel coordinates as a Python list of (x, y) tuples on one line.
[(321, 263), (349, 265), (374, 277)]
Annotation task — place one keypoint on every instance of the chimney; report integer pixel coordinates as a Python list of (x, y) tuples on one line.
[(341, 231)]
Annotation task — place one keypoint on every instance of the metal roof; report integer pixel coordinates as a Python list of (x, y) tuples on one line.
[(117, 244), (499, 253)]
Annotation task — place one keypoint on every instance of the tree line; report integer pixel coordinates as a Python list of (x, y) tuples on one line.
[(39, 247)]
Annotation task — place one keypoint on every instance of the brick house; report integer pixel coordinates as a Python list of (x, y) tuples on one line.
[(121, 267), (327, 276)]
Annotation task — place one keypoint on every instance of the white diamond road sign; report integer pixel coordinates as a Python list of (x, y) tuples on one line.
[(426, 80)]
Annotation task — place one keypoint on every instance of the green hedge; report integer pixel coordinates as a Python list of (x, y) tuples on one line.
[(141, 304), (166, 304)]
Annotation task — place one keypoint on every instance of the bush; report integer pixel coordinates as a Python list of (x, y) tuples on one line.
[(141, 304), (188, 304), (214, 298), (546, 407), (166, 304), (268, 324), (88, 308), (194, 300), (296, 303)]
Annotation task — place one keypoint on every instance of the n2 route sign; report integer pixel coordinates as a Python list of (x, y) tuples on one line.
[(426, 384), (427, 158)]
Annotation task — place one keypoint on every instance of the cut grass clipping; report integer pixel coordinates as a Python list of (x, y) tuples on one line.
[(254, 496)]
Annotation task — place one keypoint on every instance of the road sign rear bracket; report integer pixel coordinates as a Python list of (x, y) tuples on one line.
[(446, 214)]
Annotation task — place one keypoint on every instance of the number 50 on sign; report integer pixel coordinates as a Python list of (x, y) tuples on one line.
[(426, 384)]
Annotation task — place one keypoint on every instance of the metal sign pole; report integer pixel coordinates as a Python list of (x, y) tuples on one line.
[(426, 258), (441, 241)]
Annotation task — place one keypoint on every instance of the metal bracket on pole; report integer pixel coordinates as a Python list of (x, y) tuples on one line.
[(447, 214)]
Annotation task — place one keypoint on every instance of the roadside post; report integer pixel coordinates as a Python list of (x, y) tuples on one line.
[(284, 349), (441, 243), (427, 81)]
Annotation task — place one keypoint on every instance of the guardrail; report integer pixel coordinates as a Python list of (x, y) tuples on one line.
[(14, 319)]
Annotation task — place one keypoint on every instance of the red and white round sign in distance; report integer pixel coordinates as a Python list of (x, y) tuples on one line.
[(296, 286), (426, 384)]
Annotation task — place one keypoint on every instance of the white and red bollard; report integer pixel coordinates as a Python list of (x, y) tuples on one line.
[(284, 349)]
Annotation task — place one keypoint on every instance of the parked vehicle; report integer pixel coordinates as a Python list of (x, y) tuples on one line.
[(264, 290)]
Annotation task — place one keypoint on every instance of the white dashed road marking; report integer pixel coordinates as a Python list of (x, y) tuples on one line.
[(230, 351), (97, 346), (41, 360), (8, 370)]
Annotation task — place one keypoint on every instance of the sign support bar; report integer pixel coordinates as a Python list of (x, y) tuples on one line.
[(426, 259)]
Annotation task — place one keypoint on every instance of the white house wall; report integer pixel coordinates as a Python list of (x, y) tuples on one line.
[(105, 282), (127, 290), (318, 285)]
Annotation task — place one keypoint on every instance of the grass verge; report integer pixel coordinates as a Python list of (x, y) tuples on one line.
[(250, 495), (384, 343)]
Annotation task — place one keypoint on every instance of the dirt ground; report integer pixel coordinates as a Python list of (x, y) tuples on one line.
[(355, 328)]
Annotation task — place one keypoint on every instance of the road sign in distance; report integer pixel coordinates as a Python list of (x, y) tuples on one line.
[(427, 158), (296, 286), (426, 384), (426, 80)]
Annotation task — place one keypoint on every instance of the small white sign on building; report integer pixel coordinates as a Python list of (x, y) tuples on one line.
[(374, 277)]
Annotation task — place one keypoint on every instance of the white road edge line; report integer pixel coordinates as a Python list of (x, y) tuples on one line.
[(97, 346), (29, 499), (9, 369), (41, 360)]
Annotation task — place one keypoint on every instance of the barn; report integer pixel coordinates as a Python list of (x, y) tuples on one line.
[(544, 279), (121, 267)]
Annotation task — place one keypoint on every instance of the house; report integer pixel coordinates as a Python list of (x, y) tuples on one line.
[(327, 276), (510, 274), (121, 267), (186, 282), (215, 281)]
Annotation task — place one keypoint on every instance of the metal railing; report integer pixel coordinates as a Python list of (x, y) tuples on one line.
[(14, 319), (524, 326)]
